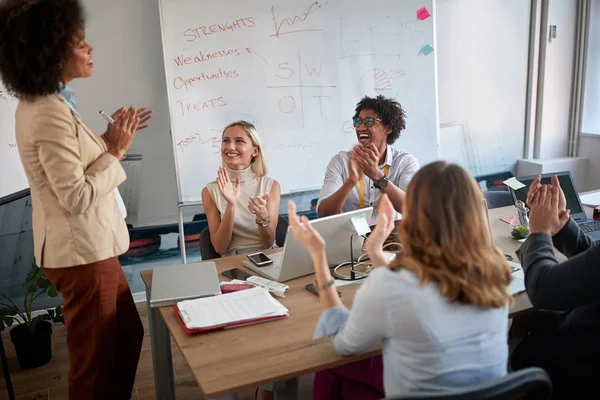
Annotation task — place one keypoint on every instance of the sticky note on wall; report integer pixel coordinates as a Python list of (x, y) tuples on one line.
[(426, 49), (422, 13)]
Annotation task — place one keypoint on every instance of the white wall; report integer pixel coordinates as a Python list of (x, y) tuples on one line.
[(591, 104), (557, 79), (129, 69), (589, 146), (482, 55)]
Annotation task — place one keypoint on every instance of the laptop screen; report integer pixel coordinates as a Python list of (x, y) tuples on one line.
[(566, 183)]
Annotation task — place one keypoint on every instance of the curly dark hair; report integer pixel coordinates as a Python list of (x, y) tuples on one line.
[(390, 112), (36, 39)]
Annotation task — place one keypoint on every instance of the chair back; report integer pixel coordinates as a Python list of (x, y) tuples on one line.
[(529, 383), (497, 199), (207, 251)]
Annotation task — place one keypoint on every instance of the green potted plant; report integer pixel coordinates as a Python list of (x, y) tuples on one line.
[(32, 335)]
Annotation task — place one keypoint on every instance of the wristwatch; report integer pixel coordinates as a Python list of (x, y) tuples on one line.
[(264, 223), (383, 182)]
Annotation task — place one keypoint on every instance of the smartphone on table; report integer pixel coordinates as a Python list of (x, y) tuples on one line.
[(260, 259), (236, 273)]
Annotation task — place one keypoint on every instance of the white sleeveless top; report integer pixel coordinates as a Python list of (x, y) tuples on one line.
[(245, 231)]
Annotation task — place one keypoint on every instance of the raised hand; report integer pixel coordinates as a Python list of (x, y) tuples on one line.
[(544, 216), (229, 191), (385, 226), (143, 113), (119, 134), (145, 116), (353, 169), (533, 188), (304, 232), (258, 206)]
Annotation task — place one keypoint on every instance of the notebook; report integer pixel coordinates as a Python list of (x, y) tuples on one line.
[(230, 310), (181, 282)]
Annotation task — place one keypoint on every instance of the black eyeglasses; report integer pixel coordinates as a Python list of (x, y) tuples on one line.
[(369, 121)]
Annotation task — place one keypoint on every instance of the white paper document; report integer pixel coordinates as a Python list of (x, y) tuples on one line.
[(244, 305), (517, 285)]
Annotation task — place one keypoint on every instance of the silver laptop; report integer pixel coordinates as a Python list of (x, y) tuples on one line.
[(294, 261), (590, 226), (183, 282)]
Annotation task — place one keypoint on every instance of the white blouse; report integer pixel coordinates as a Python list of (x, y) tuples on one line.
[(245, 231)]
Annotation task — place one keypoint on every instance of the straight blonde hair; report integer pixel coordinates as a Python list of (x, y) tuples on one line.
[(446, 238), (258, 164)]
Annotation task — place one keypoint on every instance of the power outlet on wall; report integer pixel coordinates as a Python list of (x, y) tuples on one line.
[(552, 33)]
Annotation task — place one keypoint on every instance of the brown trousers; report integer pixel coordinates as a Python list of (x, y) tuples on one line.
[(104, 330)]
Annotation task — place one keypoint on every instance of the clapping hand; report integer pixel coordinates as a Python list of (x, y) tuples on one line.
[(229, 191), (354, 171), (545, 215), (367, 159), (119, 134), (257, 205), (304, 232), (562, 201), (385, 226), (142, 113)]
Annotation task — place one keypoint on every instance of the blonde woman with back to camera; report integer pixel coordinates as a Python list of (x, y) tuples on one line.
[(440, 308), (242, 204)]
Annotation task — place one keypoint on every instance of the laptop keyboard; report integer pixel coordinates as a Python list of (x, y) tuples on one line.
[(590, 226)]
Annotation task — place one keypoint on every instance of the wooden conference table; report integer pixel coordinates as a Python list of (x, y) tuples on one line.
[(227, 361)]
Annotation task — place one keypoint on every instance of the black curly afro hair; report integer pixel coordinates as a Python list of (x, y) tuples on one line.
[(36, 39), (390, 112)]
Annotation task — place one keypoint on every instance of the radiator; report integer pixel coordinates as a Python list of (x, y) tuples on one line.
[(130, 189)]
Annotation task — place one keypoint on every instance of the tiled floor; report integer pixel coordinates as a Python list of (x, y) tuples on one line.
[(50, 380)]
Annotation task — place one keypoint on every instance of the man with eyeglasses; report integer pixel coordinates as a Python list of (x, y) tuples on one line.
[(355, 179)]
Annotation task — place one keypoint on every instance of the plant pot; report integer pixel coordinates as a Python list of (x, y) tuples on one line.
[(33, 346)]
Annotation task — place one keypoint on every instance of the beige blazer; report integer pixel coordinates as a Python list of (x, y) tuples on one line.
[(76, 218)]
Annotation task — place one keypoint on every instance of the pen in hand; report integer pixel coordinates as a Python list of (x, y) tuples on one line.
[(107, 117)]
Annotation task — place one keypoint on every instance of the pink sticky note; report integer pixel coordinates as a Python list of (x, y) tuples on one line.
[(422, 13), (508, 220)]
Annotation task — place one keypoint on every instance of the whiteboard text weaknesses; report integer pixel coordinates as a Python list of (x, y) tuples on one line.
[(201, 57)]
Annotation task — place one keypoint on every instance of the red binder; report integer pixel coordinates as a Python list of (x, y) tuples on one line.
[(224, 326)]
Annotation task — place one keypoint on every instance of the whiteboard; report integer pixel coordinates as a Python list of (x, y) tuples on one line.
[(12, 178), (296, 70)]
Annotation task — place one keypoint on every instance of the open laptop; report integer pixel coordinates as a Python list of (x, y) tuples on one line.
[(295, 261), (587, 225), (183, 282)]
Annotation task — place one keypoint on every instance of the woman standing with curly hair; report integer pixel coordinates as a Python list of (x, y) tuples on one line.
[(78, 228), (357, 178)]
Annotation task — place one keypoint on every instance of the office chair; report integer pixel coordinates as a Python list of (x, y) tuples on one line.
[(207, 251), (498, 198), (529, 383)]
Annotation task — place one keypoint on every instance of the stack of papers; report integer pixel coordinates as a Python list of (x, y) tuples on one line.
[(517, 285), (229, 310)]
